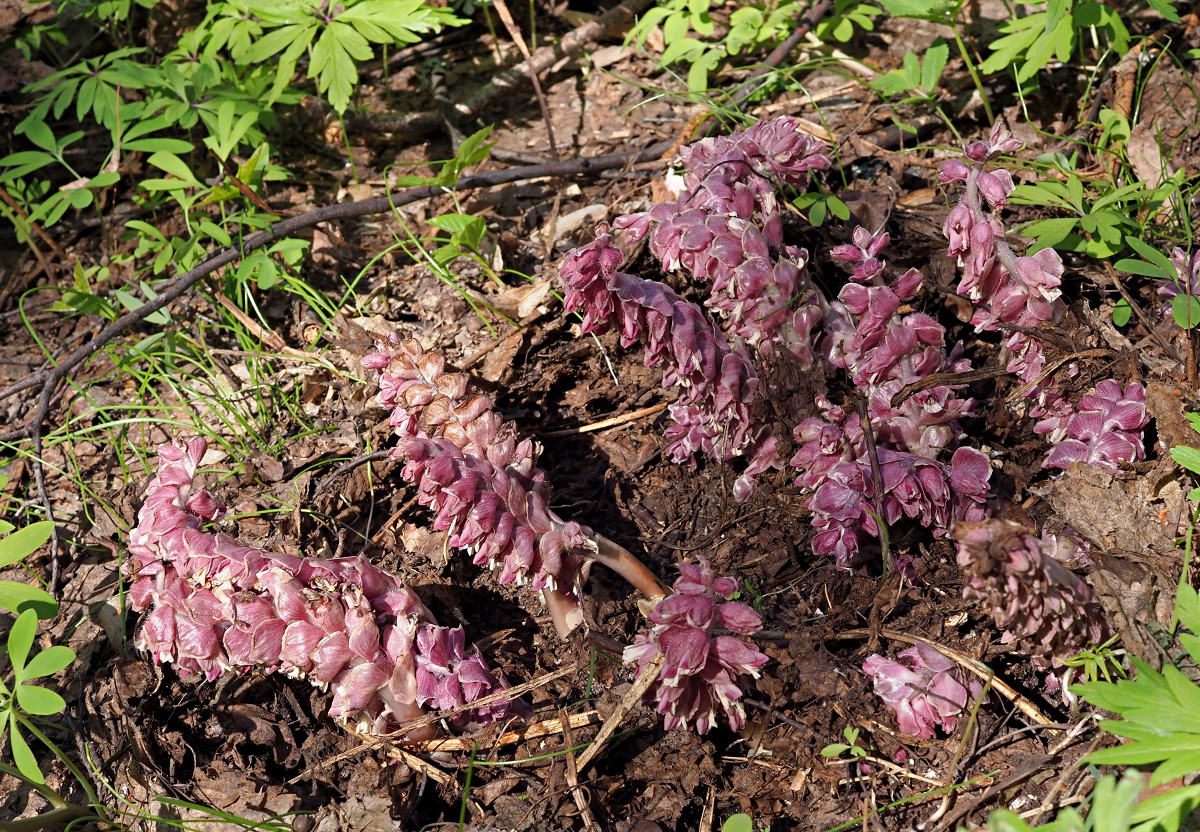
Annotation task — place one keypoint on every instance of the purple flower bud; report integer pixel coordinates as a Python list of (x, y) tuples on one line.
[(995, 186), (977, 151), (953, 170), (1002, 140)]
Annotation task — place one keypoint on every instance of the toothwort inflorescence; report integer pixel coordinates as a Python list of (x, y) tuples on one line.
[(1018, 295), (481, 480), (1043, 607), (700, 668), (217, 606)]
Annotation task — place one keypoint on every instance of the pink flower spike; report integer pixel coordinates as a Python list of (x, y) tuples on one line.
[(218, 606), (700, 667), (1043, 607)]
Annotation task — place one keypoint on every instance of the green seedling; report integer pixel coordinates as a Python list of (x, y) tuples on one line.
[(850, 746), (23, 699), (1185, 307), (1103, 219), (1099, 662)]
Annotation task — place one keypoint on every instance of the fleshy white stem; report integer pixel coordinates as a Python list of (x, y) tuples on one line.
[(620, 560)]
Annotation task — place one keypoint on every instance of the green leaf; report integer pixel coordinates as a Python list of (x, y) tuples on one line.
[(17, 597), (740, 822), (20, 639), (1194, 421), (23, 756), (834, 749), (39, 701), (1122, 312), (1143, 268), (25, 542), (816, 214), (175, 166), (475, 148), (333, 63), (49, 661), (1152, 254), (23, 162), (892, 83), (936, 57), (1186, 310), (1166, 8), (1167, 811), (1049, 233), (159, 143), (105, 179), (936, 11), (40, 134), (1189, 458), (838, 208)]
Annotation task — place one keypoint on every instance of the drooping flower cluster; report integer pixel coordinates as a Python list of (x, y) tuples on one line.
[(483, 483), (1017, 295), (884, 351), (923, 688), (835, 466), (217, 606), (717, 383), (701, 667), (1105, 429), (725, 230), (1011, 293), (1044, 608)]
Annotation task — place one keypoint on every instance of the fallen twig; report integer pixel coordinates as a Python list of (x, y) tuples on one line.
[(611, 422), (634, 695), (514, 32)]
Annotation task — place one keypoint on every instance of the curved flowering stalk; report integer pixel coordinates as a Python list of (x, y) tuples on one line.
[(1015, 294), (701, 667), (924, 689), (713, 413), (488, 492), (217, 606), (1044, 608), (484, 483)]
